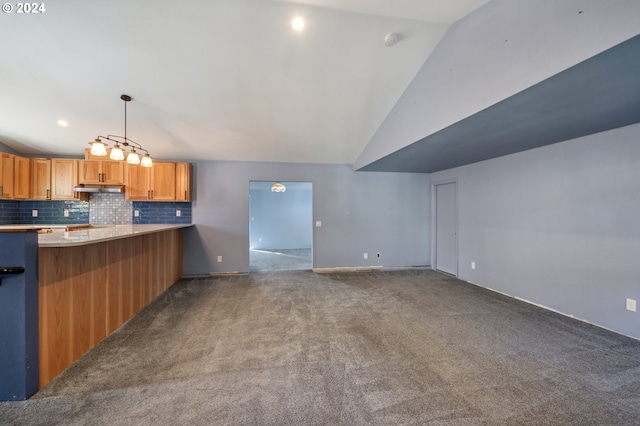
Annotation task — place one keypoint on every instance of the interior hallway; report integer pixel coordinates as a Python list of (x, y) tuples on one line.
[(269, 260), (381, 348)]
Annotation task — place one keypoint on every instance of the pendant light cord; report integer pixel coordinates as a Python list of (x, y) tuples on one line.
[(125, 120)]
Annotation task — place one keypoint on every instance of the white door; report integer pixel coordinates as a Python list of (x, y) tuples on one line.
[(446, 228)]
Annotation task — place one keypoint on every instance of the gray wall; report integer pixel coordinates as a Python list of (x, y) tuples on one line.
[(360, 212), (499, 50), (281, 220), (557, 226), (6, 148)]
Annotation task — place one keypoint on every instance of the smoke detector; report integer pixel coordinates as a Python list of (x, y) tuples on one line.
[(391, 39)]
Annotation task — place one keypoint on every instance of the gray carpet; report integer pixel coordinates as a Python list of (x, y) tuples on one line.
[(412, 347)]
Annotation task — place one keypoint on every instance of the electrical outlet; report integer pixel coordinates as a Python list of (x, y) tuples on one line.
[(473, 265), (318, 223), (178, 213), (136, 213), (219, 259), (34, 213), (65, 213), (366, 255), (631, 305)]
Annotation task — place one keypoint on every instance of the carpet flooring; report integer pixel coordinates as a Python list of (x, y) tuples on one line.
[(412, 347)]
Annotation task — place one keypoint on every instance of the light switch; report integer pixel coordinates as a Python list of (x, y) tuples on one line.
[(318, 223)]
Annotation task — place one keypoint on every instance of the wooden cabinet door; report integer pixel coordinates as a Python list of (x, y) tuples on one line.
[(106, 172), (90, 171), (40, 179), (137, 186), (113, 172), (22, 177), (64, 176), (6, 175), (183, 181), (163, 181)]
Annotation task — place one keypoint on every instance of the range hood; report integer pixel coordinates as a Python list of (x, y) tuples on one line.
[(98, 188)]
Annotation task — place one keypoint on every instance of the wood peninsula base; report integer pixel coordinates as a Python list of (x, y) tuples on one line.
[(87, 291)]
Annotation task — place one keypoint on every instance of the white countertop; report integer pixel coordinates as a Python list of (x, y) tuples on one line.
[(62, 238)]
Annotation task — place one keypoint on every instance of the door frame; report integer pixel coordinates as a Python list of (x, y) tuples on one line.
[(249, 217), (434, 218)]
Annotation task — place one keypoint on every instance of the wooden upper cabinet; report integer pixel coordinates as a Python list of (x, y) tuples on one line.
[(101, 172), (163, 181), (40, 179), (90, 171), (54, 179), (183, 181), (22, 178), (6, 175), (157, 183), (113, 172), (64, 176), (137, 183)]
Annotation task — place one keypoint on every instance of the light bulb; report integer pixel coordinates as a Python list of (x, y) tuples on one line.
[(146, 161), (297, 23), (116, 153), (133, 158), (98, 149)]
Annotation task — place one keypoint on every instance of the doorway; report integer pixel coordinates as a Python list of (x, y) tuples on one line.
[(280, 226), (446, 228)]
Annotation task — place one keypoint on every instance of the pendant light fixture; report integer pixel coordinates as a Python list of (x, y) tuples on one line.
[(278, 187), (99, 148)]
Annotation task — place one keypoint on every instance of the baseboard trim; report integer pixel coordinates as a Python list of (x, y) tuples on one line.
[(226, 274), (347, 269), (547, 308)]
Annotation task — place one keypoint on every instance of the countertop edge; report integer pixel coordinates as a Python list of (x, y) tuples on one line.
[(61, 239)]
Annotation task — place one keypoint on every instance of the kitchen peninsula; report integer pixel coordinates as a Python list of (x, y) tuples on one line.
[(94, 279)]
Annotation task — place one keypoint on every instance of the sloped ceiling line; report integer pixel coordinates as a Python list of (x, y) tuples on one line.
[(598, 94)]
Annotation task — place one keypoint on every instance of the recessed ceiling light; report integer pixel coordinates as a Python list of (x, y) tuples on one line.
[(62, 123), (297, 23)]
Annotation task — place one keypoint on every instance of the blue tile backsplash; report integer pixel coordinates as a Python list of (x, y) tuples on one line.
[(9, 212), (103, 209), (52, 212), (150, 212)]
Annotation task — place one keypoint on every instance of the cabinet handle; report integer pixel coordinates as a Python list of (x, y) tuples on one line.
[(185, 195), (48, 194)]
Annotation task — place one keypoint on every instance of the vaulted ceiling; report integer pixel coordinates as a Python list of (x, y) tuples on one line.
[(213, 79), (232, 80), (598, 94)]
